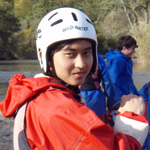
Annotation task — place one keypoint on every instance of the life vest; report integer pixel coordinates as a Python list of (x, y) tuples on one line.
[(148, 102), (92, 82)]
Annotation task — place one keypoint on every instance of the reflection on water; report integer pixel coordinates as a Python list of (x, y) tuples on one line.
[(19, 65), (141, 73), (137, 67), (9, 68)]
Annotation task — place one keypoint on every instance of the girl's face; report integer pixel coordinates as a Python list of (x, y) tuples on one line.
[(128, 52), (73, 62)]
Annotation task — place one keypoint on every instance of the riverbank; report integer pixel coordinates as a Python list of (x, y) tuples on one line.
[(6, 133)]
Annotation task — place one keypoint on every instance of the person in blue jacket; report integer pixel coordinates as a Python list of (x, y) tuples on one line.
[(145, 92), (96, 87), (120, 66)]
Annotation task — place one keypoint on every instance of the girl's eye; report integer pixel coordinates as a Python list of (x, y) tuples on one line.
[(87, 52), (69, 54)]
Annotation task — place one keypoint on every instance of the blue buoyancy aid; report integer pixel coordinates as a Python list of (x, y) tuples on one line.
[(145, 92), (120, 68)]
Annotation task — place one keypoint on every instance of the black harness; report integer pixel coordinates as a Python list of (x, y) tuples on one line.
[(92, 82)]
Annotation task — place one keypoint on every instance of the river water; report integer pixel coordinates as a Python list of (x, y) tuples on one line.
[(9, 68), (141, 73)]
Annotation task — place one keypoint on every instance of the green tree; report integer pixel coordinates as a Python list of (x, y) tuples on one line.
[(137, 13), (135, 9), (111, 18), (8, 25)]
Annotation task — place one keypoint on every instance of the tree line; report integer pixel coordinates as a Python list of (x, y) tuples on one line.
[(111, 18)]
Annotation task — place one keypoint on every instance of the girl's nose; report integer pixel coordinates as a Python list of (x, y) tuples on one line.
[(80, 62)]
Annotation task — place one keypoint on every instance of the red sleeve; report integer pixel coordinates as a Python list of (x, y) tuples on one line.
[(134, 116)]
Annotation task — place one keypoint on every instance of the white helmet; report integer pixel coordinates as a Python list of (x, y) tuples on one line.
[(64, 24)]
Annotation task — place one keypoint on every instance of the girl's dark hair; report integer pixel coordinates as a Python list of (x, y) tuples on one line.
[(126, 41)]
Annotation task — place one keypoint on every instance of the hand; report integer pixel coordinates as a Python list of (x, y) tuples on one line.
[(132, 103)]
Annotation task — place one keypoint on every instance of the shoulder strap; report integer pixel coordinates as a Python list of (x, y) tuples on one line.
[(23, 142), (92, 82)]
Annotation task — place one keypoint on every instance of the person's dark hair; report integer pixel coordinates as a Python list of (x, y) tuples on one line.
[(126, 41), (57, 47)]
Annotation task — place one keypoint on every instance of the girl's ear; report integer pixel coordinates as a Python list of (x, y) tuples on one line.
[(124, 48)]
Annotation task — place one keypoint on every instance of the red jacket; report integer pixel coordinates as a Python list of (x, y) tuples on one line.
[(56, 121)]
